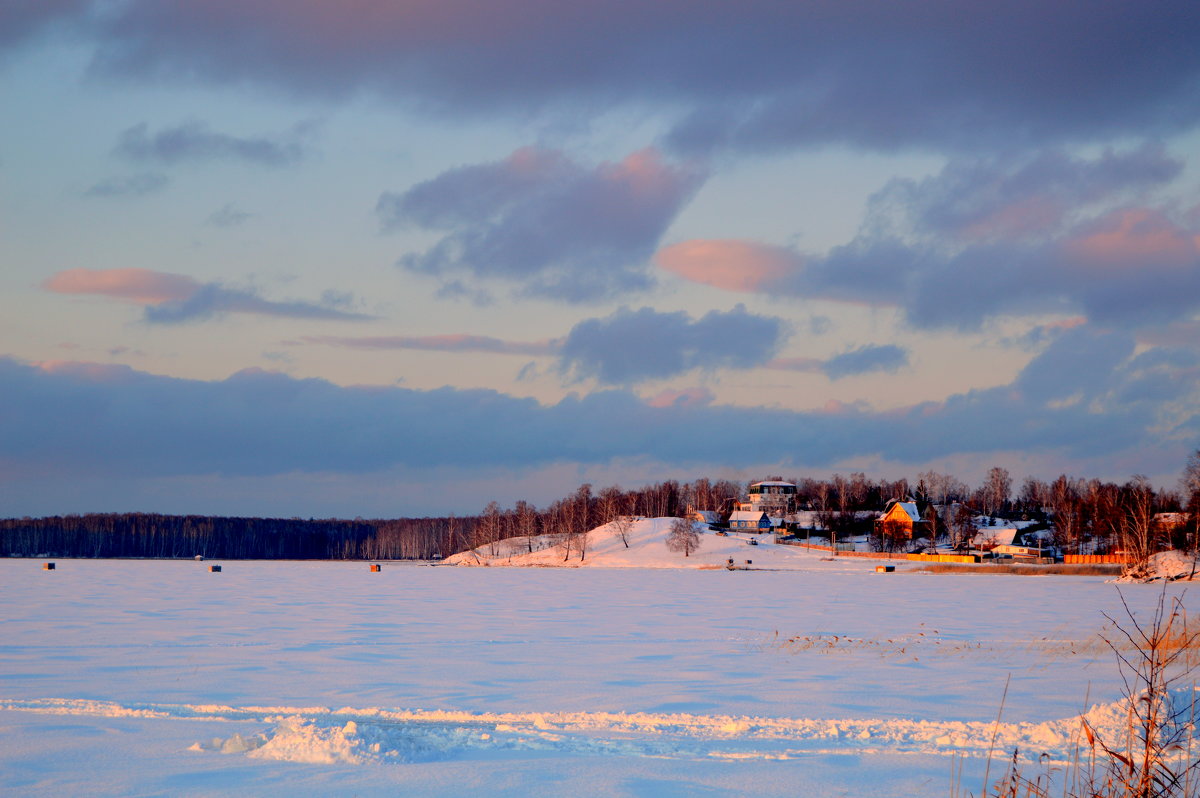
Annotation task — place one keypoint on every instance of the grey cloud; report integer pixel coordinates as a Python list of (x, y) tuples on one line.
[(1047, 234), (944, 80), (997, 198), (755, 76), (441, 343), (195, 141), (1160, 376), (819, 325), (621, 349), (20, 20), (866, 359), (853, 362), (211, 299), (630, 346), (129, 186), (545, 223), (228, 216), (1078, 362), (92, 419)]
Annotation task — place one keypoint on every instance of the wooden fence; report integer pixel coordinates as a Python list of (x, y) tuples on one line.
[(1081, 559), (885, 555), (944, 557), (875, 555)]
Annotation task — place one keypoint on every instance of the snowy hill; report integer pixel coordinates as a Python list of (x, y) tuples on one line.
[(647, 548)]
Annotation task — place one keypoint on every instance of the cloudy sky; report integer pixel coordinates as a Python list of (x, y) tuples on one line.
[(397, 258)]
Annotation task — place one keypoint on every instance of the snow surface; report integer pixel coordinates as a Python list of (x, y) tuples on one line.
[(1170, 565), (822, 678), (647, 539)]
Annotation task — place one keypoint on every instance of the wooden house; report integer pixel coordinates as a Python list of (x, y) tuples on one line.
[(902, 521), (749, 521)]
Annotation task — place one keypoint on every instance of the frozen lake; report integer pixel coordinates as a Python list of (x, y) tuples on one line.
[(138, 677)]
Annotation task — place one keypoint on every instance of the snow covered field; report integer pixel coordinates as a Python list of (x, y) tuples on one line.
[(287, 678)]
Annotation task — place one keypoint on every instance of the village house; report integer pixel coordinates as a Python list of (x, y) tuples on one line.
[(1023, 551), (774, 497), (750, 521), (902, 520), (710, 517)]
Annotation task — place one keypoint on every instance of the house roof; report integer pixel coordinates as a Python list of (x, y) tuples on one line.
[(995, 535), (747, 515), (908, 508)]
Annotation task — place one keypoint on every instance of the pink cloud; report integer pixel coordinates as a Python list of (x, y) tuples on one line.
[(644, 171), (1026, 216), (1065, 324), (172, 298), (1133, 236), (87, 371), (728, 264), (139, 285), (687, 397)]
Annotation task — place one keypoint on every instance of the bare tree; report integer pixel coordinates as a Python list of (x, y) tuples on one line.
[(1189, 486), (962, 526), (609, 505), (622, 525), (683, 537), (1067, 506), (942, 488), (702, 494), (452, 540), (1034, 494), (581, 521), (1139, 528), (1101, 513), (566, 526), (857, 489), (996, 490), (526, 523), (489, 528), (890, 535), (1189, 483)]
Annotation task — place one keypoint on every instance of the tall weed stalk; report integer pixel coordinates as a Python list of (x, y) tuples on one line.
[(1155, 756)]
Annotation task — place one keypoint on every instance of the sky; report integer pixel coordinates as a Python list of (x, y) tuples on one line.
[(404, 258)]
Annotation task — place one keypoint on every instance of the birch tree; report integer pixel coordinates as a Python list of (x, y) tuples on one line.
[(683, 537)]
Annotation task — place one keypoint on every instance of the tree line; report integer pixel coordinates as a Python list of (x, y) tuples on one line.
[(1081, 513), (184, 536)]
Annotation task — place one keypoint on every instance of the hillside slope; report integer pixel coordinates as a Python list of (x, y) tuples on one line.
[(647, 539)]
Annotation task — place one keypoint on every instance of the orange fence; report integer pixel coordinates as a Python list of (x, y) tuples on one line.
[(884, 555), (1080, 559), (944, 557)]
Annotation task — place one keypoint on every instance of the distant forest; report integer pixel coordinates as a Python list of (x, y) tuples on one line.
[(1079, 511), (185, 536)]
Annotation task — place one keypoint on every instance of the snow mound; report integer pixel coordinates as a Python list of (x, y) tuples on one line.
[(237, 744), (382, 736), (301, 739), (1171, 565), (643, 545)]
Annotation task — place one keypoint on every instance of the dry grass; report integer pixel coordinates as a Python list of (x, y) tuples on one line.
[(1156, 757), (903, 646)]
